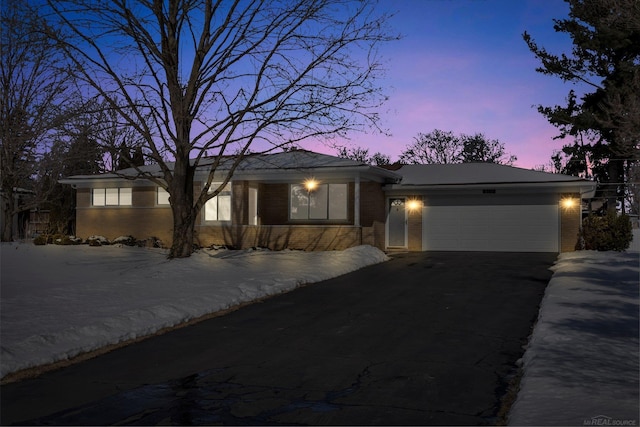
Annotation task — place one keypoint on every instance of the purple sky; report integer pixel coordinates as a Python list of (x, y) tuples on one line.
[(462, 66)]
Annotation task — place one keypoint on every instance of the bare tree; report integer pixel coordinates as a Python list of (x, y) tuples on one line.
[(444, 147), (202, 77), (34, 94), (360, 154), (433, 147), (478, 148)]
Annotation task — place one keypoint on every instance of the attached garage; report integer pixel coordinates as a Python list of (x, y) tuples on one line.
[(519, 228), (484, 207)]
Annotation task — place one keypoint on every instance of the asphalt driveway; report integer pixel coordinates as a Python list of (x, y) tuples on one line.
[(426, 338)]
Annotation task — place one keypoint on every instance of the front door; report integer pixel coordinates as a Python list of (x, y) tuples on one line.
[(397, 223)]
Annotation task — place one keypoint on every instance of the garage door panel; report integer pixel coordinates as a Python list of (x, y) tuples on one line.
[(517, 228)]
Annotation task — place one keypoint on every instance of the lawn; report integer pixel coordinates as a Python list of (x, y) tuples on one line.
[(61, 301)]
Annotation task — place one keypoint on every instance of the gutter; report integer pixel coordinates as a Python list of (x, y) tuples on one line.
[(585, 187)]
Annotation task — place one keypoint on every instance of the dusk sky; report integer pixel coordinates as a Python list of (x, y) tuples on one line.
[(462, 66)]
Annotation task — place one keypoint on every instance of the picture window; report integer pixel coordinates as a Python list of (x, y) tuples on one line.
[(324, 202)]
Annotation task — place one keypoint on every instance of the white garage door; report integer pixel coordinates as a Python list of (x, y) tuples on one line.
[(512, 228)]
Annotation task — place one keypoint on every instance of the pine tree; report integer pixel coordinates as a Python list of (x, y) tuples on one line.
[(605, 60)]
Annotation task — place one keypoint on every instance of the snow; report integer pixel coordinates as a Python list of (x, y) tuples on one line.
[(581, 364), (60, 301)]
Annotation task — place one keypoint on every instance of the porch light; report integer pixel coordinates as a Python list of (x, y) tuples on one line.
[(311, 184), (568, 202), (414, 205)]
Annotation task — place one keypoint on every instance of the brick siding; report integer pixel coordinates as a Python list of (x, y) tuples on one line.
[(414, 227), (142, 220), (570, 220)]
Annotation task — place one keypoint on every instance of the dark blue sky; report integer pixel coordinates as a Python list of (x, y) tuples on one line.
[(463, 66)]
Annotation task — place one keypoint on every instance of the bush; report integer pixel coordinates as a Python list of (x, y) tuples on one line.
[(97, 240), (125, 240), (611, 232), (40, 240), (60, 239), (151, 242)]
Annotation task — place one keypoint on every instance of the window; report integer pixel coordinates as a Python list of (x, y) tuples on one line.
[(112, 197), (219, 208), (162, 196), (326, 201)]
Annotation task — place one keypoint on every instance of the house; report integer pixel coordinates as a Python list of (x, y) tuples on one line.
[(311, 201), (19, 221)]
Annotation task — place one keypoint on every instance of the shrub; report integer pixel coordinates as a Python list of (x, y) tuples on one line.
[(75, 240), (60, 239), (151, 242), (40, 240), (125, 240), (611, 232), (97, 240)]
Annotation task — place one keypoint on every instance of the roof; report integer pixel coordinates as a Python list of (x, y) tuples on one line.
[(476, 173), (256, 166), (467, 175), (298, 164)]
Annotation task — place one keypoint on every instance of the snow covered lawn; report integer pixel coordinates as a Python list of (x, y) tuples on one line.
[(60, 301), (581, 365)]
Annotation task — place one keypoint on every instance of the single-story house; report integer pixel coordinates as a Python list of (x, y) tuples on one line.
[(311, 201)]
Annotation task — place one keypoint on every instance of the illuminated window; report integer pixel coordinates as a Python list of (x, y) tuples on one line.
[(112, 197), (321, 202), (162, 196), (219, 208)]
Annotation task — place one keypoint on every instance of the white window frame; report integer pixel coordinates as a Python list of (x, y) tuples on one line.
[(213, 206), (332, 212), (112, 196)]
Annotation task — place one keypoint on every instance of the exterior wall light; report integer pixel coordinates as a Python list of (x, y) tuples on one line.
[(414, 205), (311, 184), (568, 203)]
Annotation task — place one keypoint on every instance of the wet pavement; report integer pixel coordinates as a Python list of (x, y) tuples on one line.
[(426, 338)]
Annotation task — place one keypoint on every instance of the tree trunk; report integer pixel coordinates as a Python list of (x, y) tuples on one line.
[(182, 207), (7, 225), (183, 227)]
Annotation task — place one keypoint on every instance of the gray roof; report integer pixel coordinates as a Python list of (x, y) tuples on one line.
[(287, 166), (476, 173), (256, 165)]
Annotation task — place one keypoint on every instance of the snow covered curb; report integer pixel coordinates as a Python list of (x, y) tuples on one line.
[(61, 301), (581, 365)]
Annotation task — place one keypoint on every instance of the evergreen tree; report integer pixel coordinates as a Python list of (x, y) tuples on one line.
[(606, 60)]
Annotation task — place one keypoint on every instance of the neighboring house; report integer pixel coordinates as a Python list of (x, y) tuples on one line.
[(269, 203), (38, 222), (20, 220)]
